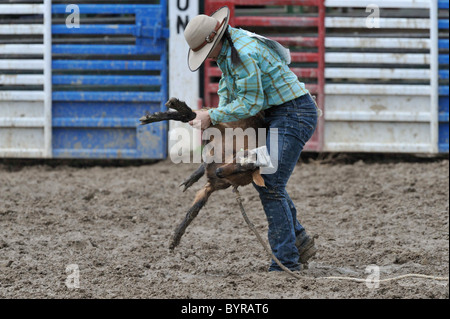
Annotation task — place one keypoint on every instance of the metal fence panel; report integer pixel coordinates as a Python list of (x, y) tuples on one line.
[(443, 75), (107, 74), (379, 77), (25, 80)]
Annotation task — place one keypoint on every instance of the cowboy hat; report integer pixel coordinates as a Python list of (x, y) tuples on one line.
[(203, 33)]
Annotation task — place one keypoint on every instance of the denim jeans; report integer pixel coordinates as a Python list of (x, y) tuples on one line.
[(296, 122)]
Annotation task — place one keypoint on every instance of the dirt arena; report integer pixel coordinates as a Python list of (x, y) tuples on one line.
[(115, 223)]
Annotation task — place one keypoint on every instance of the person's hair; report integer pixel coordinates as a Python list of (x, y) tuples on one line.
[(235, 58)]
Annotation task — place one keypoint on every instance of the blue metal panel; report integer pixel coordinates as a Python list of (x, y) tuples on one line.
[(443, 4), (97, 102), (443, 85), (107, 80)]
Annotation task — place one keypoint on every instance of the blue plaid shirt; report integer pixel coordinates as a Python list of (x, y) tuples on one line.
[(262, 80)]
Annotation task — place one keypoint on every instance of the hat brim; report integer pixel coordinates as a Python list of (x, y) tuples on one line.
[(196, 59)]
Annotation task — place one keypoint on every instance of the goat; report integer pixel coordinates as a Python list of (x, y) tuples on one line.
[(219, 175)]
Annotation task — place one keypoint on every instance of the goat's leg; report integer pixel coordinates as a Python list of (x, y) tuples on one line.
[(191, 180), (200, 200), (182, 113)]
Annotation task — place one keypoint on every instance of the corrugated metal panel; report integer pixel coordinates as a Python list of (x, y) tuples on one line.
[(106, 75), (443, 76), (379, 81), (25, 87), (298, 25)]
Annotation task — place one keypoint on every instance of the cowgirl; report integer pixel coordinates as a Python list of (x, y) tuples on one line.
[(256, 77)]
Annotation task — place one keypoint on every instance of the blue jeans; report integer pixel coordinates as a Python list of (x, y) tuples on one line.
[(296, 122)]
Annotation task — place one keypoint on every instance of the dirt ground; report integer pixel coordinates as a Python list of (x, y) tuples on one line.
[(115, 224)]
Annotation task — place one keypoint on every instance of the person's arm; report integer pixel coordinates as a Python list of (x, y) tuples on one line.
[(249, 94), (224, 94)]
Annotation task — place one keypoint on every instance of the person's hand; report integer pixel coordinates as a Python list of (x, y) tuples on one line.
[(203, 116)]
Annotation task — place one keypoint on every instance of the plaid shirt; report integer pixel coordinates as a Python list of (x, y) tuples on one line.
[(262, 80)]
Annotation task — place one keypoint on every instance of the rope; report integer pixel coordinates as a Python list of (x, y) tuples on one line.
[(269, 252)]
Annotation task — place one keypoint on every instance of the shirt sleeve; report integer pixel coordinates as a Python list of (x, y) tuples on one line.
[(249, 93), (224, 94)]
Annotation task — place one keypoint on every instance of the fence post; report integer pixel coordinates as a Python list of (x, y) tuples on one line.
[(48, 78)]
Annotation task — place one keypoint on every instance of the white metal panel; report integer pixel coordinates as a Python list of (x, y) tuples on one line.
[(25, 120), (377, 73), (22, 49), (21, 29), (21, 9), (379, 101), (21, 122), (379, 43), (391, 23), (22, 138), (21, 64), (412, 4), (21, 79), (377, 104), (21, 96), (22, 109), (377, 136), (379, 58), (378, 89)]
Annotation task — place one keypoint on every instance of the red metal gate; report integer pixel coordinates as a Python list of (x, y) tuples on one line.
[(297, 24)]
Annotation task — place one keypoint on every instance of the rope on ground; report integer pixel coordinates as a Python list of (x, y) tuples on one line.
[(269, 252)]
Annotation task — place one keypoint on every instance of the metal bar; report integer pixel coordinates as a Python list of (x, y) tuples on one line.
[(443, 44), (401, 43), (388, 23), (443, 24), (107, 96), (443, 4), (321, 78), (276, 21), (410, 4), (107, 49), (21, 64), (22, 49), (106, 80), (22, 153), (434, 78), (443, 59), (297, 41), (377, 147), (94, 153), (95, 122), (21, 29), (21, 9), (377, 73), (305, 57), (306, 72), (95, 29), (378, 89), (443, 74), (107, 65), (22, 96), (48, 78), (21, 79), (379, 58), (276, 2), (22, 122), (388, 116), (106, 8)]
